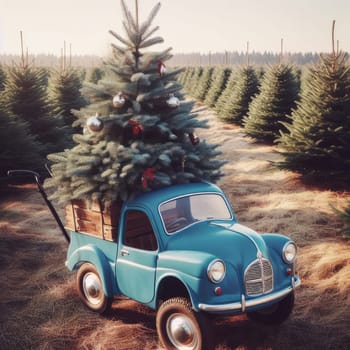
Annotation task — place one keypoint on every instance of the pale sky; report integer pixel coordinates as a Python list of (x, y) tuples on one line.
[(185, 25)]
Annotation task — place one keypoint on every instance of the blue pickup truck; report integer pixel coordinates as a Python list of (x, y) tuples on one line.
[(181, 251)]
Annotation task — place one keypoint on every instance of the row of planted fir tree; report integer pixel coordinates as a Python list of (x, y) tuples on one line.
[(306, 114), (35, 112), (256, 98)]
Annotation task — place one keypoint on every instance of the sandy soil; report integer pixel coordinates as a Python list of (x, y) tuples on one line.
[(40, 308)]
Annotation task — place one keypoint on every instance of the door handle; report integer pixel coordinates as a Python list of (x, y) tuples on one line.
[(124, 252)]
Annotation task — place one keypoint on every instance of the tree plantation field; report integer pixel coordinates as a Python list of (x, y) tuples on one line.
[(40, 308)]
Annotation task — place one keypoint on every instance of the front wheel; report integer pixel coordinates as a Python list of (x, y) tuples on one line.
[(276, 313), (179, 327), (90, 289)]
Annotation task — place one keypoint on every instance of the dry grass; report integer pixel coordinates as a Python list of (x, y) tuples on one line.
[(39, 304)]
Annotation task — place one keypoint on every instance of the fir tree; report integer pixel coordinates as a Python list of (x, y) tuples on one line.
[(275, 101), (188, 75), (193, 80), (143, 135), (182, 76), (64, 94), (94, 75), (344, 215), (18, 148), (25, 98), (237, 104), (221, 101), (2, 77), (220, 77), (201, 89), (317, 140)]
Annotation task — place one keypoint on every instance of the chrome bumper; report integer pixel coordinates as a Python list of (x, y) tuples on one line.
[(243, 304)]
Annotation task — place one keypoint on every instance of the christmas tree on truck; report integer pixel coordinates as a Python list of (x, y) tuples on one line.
[(138, 131)]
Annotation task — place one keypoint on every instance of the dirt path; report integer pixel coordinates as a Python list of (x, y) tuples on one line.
[(265, 198), (39, 307)]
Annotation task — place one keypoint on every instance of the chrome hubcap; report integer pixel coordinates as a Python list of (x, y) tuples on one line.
[(92, 288), (182, 332)]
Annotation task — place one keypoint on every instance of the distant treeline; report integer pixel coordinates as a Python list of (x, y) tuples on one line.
[(50, 60), (235, 57), (179, 59)]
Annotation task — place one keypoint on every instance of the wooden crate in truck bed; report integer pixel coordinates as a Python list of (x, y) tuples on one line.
[(93, 218)]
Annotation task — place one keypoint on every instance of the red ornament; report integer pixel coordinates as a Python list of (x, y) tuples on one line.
[(137, 127), (194, 138), (148, 175), (161, 68)]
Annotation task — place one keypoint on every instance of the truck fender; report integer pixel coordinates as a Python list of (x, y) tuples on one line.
[(93, 255), (177, 285)]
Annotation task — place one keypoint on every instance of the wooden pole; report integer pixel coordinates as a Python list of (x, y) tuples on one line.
[(281, 53), (61, 63), (137, 13), (337, 47), (247, 53), (64, 55), (333, 46), (22, 50), (70, 54)]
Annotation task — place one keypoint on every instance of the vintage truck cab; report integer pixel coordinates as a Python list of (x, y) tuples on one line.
[(181, 251)]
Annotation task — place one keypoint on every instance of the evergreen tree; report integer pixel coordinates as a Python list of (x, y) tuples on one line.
[(18, 148), (188, 75), (237, 104), (344, 215), (317, 140), (201, 89), (94, 74), (64, 93), (143, 135), (182, 76), (25, 98), (221, 101), (193, 80), (2, 77), (275, 101), (220, 77)]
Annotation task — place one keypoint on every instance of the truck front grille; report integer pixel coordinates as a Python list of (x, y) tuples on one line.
[(258, 277)]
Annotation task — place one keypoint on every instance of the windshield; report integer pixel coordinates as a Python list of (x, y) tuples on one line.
[(184, 211)]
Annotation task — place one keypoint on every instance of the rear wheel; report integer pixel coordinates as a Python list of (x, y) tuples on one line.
[(90, 289), (179, 327), (276, 313)]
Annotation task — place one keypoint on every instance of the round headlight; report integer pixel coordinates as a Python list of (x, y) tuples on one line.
[(216, 271), (289, 252)]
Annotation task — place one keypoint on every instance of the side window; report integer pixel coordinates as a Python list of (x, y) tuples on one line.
[(138, 231)]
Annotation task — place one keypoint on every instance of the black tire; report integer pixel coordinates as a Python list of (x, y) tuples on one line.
[(180, 327), (90, 289), (276, 313)]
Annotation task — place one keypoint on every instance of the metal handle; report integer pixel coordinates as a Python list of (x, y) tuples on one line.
[(124, 252), (42, 192)]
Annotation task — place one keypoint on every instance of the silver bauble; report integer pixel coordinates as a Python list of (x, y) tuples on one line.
[(94, 124), (118, 100), (173, 101)]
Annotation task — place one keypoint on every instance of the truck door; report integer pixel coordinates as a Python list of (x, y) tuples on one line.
[(137, 257)]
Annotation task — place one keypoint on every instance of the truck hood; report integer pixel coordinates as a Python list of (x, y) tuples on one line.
[(225, 239)]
